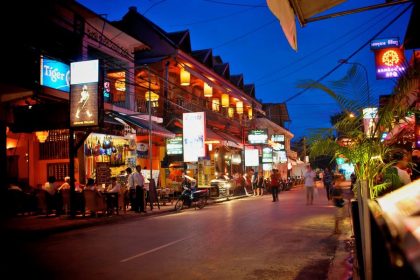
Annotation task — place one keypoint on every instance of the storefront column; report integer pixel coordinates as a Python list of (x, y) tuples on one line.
[(72, 153), (3, 164)]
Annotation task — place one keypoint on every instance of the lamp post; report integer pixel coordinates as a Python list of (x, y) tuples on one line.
[(345, 61)]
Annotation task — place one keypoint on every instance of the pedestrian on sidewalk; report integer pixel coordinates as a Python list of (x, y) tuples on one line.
[(328, 179), (309, 185), (338, 201), (260, 183), (275, 184)]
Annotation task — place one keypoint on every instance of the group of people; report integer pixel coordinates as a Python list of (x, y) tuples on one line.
[(137, 195)]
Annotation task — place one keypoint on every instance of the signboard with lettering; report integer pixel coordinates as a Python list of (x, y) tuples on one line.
[(194, 128), (389, 63), (378, 44), (258, 136), (278, 138), (267, 155), (55, 74), (84, 101), (174, 146), (251, 157), (103, 173)]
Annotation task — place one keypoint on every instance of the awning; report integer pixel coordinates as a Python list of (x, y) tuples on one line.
[(136, 122), (212, 137), (231, 141)]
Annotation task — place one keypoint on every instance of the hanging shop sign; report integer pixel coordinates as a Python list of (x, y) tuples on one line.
[(282, 156), (389, 63), (267, 166), (142, 150), (174, 146), (194, 127), (267, 155), (258, 136), (384, 43), (55, 74), (251, 157), (84, 101), (236, 159)]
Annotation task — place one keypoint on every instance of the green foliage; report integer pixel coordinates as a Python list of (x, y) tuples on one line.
[(365, 152)]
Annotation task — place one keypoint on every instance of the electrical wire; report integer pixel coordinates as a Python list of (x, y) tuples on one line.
[(330, 44), (245, 34), (211, 19), (153, 5), (236, 4), (350, 56)]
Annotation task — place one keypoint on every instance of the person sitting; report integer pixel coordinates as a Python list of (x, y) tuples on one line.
[(65, 185), (114, 187)]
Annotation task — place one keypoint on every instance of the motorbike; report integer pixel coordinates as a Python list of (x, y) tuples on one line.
[(189, 198)]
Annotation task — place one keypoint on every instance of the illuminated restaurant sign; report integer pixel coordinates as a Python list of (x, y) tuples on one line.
[(378, 44), (278, 138), (251, 157), (370, 118), (267, 155), (194, 127), (55, 74), (174, 146), (258, 136), (389, 63), (84, 101)]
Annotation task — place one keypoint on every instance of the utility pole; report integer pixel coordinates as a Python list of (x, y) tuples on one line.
[(304, 148)]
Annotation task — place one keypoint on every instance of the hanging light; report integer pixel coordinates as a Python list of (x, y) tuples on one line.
[(231, 112), (152, 97), (208, 90), (250, 113), (42, 136), (215, 104), (184, 76), (225, 100), (239, 107)]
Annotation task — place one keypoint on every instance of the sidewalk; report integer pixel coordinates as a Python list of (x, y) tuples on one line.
[(342, 266), (41, 225)]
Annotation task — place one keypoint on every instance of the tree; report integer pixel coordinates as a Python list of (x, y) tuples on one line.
[(366, 152)]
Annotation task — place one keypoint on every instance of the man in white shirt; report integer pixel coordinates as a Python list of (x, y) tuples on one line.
[(309, 184), (136, 182), (114, 187), (401, 166)]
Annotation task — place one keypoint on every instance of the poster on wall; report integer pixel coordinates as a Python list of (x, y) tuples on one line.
[(251, 157), (194, 127), (84, 101)]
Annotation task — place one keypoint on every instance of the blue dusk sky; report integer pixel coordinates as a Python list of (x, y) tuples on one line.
[(248, 36)]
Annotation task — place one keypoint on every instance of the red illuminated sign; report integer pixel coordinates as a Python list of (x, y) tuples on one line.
[(389, 63)]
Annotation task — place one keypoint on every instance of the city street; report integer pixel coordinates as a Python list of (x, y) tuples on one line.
[(251, 238)]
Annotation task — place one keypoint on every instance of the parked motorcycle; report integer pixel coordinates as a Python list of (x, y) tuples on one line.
[(189, 198)]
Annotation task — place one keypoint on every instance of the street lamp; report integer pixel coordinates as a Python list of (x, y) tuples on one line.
[(345, 61)]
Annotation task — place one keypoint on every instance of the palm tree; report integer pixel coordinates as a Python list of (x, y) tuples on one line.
[(366, 151)]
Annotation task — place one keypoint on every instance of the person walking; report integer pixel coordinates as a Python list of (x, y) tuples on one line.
[(260, 183), (328, 178), (254, 181), (275, 182), (309, 185)]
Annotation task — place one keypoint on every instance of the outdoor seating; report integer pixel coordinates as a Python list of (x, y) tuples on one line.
[(94, 202), (65, 198), (46, 203)]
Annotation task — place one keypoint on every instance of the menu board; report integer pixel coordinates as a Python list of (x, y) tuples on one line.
[(103, 173)]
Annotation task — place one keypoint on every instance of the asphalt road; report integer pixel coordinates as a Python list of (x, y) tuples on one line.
[(251, 238)]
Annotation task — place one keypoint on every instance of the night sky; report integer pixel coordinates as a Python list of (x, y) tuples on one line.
[(247, 35)]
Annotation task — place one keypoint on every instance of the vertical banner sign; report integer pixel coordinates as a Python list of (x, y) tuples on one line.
[(252, 157), (194, 128), (84, 101), (370, 119)]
